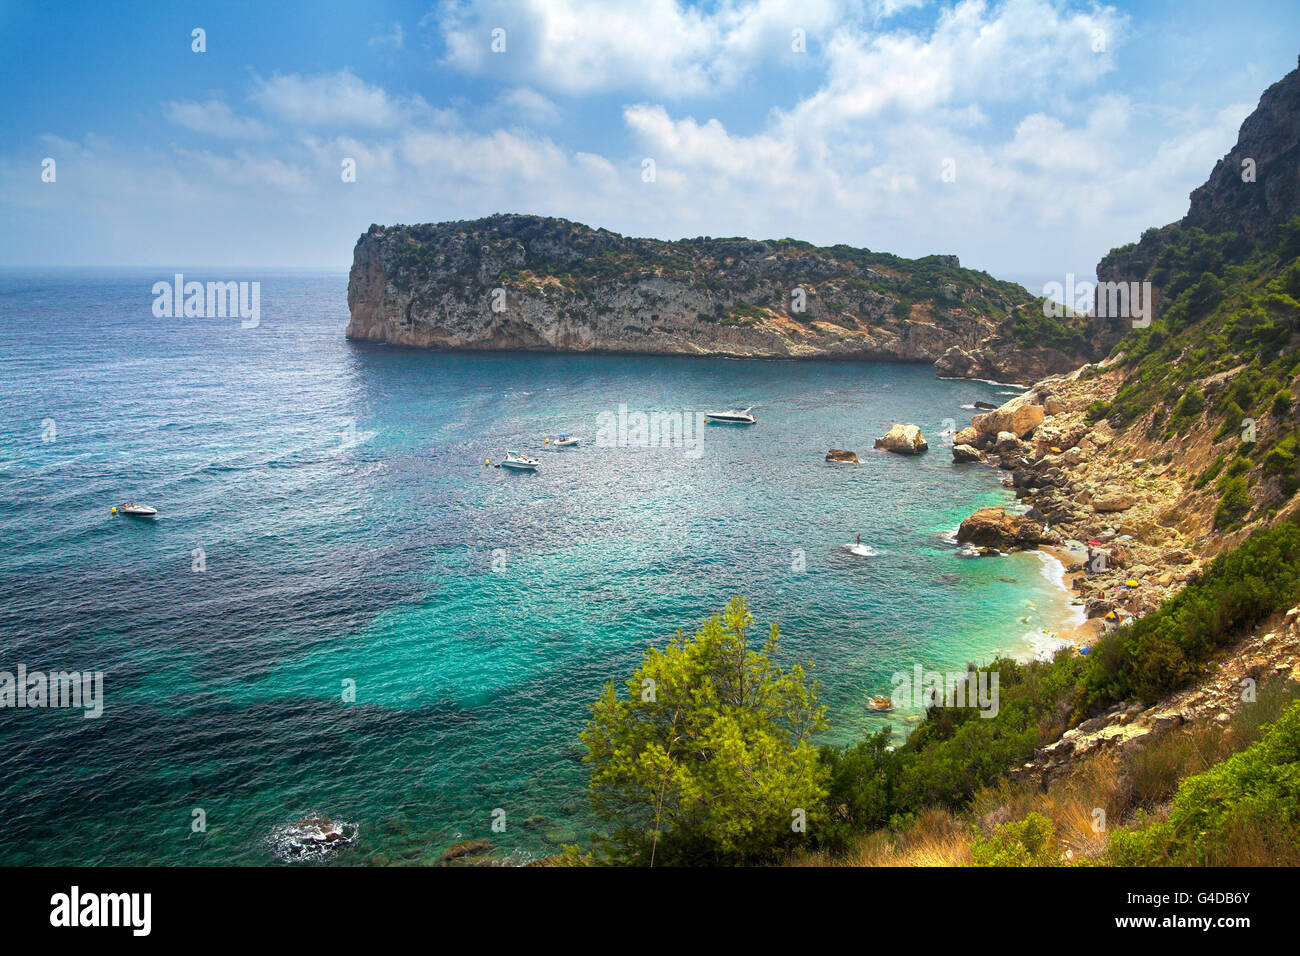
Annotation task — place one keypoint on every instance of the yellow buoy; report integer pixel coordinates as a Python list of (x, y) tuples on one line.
[(487, 461), (113, 510), (548, 441)]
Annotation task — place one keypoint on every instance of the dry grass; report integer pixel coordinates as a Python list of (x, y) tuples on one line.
[(938, 838), (1144, 778)]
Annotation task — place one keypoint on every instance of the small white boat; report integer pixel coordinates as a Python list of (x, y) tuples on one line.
[(567, 441), (731, 417), (135, 510), (519, 462)]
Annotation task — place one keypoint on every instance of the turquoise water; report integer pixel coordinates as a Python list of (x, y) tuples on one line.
[(350, 533)]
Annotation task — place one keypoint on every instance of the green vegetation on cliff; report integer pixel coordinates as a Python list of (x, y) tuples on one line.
[(1243, 811), (1224, 351), (581, 258)]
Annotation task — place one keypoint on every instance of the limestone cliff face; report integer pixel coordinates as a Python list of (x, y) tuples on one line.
[(531, 283), (1256, 187), (1241, 204)]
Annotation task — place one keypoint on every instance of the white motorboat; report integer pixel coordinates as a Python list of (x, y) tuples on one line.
[(519, 462), (731, 417), (567, 441), (135, 510)]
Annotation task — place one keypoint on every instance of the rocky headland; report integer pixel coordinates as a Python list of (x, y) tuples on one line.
[(518, 282)]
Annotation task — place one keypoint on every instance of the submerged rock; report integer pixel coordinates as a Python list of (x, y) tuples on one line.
[(465, 848), (839, 454), (312, 837), (903, 440)]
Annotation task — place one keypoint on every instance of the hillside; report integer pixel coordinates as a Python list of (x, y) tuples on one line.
[(1211, 384), (567, 287), (1177, 458)]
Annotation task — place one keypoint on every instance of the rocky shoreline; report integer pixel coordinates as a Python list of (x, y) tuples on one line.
[(1113, 512)]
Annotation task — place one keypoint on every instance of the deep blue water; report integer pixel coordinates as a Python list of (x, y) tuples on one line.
[(351, 533)]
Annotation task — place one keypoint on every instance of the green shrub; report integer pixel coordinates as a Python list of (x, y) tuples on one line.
[(1211, 472), (709, 765), (1096, 411), (1234, 501), (1162, 651), (1028, 842), (1244, 810)]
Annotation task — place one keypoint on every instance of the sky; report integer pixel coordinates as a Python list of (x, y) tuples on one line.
[(1025, 136)]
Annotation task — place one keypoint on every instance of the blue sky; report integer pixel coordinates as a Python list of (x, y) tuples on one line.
[(1063, 128)]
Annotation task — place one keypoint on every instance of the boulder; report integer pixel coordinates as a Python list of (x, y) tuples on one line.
[(1053, 405), (839, 454), (1112, 499), (966, 453), (994, 528), (1008, 444), (1018, 416), (969, 435), (903, 440)]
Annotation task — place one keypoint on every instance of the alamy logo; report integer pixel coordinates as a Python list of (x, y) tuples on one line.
[(968, 688), (1114, 300), (215, 300), (656, 429), (74, 908), (61, 689)]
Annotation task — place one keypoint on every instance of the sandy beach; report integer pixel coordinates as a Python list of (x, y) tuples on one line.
[(1083, 632)]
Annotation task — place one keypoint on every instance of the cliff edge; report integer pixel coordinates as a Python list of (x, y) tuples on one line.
[(543, 284)]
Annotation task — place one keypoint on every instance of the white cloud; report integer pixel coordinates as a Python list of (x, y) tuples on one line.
[(1053, 166), (521, 105), (214, 118), (1021, 50), (390, 37), (659, 46), (337, 100)]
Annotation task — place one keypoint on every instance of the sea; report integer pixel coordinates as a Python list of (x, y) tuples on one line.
[(343, 611)]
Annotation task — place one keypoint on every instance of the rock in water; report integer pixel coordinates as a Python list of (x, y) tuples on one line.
[(966, 453), (994, 528), (903, 440), (313, 836), (839, 454), (465, 848)]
